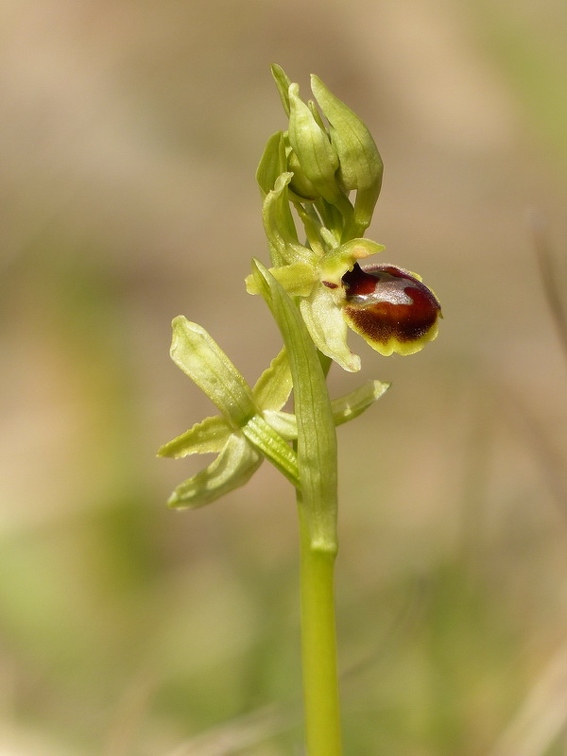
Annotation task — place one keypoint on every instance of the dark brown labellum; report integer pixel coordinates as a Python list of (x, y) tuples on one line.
[(391, 308)]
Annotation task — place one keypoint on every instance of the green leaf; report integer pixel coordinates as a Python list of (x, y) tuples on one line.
[(316, 438), (208, 436), (201, 358), (233, 467)]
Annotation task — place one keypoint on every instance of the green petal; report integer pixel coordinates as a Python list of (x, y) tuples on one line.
[(233, 467), (201, 358), (336, 263), (208, 436), (273, 387), (327, 327), (297, 279)]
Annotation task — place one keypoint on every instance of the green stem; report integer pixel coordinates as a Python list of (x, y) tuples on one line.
[(317, 504), (318, 645)]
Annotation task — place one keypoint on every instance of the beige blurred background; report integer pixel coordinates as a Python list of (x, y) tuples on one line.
[(129, 137)]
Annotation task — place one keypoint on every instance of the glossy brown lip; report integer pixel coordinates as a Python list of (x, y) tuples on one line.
[(385, 302)]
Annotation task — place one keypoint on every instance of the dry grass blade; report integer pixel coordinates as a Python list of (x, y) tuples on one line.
[(551, 282), (237, 734), (542, 716)]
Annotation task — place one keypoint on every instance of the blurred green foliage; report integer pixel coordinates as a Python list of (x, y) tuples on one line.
[(130, 135)]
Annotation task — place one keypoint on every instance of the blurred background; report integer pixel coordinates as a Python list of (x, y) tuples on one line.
[(129, 137)]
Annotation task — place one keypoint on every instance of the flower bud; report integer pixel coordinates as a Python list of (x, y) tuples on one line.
[(312, 146), (300, 185), (390, 308), (360, 164)]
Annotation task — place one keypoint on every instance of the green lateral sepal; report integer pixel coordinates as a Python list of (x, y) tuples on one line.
[(344, 408), (201, 358), (233, 467), (207, 437), (356, 402)]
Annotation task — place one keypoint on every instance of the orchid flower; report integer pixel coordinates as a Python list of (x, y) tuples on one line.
[(313, 169), (251, 425)]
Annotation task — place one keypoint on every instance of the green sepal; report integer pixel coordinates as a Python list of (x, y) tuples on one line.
[(272, 446), (354, 403), (207, 437), (316, 438), (344, 408), (313, 228), (272, 163), (201, 358), (324, 319), (316, 115), (282, 82), (301, 188), (233, 467)]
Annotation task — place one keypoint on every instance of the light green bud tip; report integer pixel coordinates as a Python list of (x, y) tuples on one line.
[(360, 164), (311, 144)]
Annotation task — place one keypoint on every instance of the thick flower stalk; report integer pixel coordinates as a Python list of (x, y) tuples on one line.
[(323, 175)]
